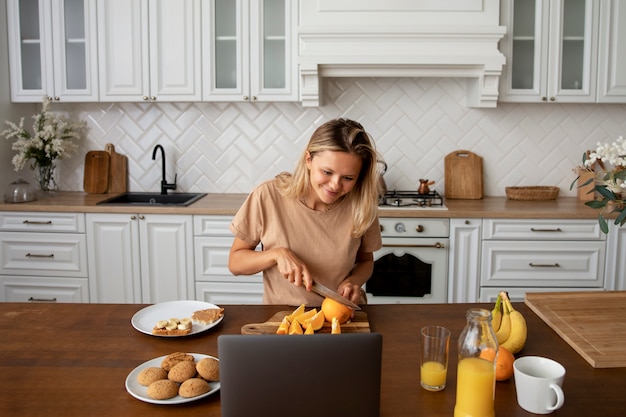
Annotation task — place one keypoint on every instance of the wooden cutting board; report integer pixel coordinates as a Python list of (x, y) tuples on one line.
[(358, 324), (593, 323), (118, 170), (463, 175), (96, 176)]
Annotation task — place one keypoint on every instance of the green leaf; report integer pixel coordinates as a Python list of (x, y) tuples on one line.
[(596, 204), (603, 225), (605, 192), (621, 219)]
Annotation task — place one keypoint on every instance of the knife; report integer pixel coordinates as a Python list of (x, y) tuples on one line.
[(327, 292)]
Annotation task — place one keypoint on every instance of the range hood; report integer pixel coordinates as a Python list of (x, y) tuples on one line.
[(395, 38)]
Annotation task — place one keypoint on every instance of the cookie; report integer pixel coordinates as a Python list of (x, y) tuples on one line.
[(173, 358), (149, 375), (193, 387), (182, 371), (209, 369), (163, 389)]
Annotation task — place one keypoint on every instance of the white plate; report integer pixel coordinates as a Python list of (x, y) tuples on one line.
[(140, 392), (145, 319)]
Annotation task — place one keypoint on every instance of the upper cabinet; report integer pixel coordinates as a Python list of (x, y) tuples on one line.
[(612, 53), (552, 51), (150, 50), (52, 50), (249, 50)]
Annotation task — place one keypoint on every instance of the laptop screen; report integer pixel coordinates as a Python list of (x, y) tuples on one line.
[(313, 375)]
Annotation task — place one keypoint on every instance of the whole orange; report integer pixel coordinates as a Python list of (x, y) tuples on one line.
[(504, 364), (332, 308)]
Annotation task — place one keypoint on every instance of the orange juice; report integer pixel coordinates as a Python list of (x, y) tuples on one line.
[(475, 390), (433, 374)]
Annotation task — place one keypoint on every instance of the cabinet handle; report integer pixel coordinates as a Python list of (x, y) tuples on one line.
[(145, 98), (34, 255), (36, 222), (253, 98), (558, 229), (552, 99), (555, 265), (153, 98), (245, 98), (142, 217), (42, 300), (437, 245)]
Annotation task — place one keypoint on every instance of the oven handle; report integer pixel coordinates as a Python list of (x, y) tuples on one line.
[(437, 245)]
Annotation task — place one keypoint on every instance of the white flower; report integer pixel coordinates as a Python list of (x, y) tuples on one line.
[(609, 153)]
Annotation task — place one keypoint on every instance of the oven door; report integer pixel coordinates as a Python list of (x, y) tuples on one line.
[(409, 271)]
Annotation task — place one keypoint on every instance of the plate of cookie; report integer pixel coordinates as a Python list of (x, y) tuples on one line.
[(177, 318), (175, 378)]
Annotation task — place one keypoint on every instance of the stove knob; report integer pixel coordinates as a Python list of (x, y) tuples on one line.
[(419, 228), (400, 228)]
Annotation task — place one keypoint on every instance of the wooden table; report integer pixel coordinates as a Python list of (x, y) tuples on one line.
[(72, 360)]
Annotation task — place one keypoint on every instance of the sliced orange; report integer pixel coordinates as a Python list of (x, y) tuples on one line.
[(317, 321), (295, 327), (335, 326), (283, 328), (302, 318), (309, 330), (296, 312)]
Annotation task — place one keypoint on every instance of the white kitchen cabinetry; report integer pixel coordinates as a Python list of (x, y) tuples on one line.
[(249, 50), (140, 258), (150, 50), (464, 260), (541, 255), (616, 258), (52, 50), (214, 282), (43, 257), (612, 54), (552, 51)]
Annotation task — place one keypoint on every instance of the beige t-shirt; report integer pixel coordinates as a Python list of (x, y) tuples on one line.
[(321, 239)]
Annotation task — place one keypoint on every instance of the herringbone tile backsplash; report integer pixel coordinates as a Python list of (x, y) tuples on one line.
[(231, 147)]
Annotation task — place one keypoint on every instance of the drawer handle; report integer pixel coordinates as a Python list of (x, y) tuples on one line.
[(558, 229), (34, 255), (437, 245), (36, 222), (42, 300), (555, 265)]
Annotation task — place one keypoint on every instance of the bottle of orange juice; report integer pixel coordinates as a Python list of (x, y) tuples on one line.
[(476, 372)]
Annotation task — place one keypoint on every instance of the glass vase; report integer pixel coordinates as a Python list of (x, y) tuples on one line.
[(45, 175)]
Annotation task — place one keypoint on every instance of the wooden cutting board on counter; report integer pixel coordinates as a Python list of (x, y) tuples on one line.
[(463, 175), (593, 323), (118, 170), (358, 324), (96, 175)]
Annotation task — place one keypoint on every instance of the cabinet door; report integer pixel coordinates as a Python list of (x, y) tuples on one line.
[(113, 252), (166, 247), (612, 55), (52, 50), (616, 258), (464, 260)]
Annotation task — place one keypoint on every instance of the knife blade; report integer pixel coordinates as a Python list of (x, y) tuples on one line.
[(327, 292)]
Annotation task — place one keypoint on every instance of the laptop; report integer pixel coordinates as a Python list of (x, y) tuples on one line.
[(300, 375)]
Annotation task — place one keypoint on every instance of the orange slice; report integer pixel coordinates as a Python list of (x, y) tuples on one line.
[(335, 326), (309, 330), (296, 313), (283, 328), (295, 327), (302, 318), (317, 321)]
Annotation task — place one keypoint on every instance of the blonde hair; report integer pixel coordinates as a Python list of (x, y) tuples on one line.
[(341, 135)]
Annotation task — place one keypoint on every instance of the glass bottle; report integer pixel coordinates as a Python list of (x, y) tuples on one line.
[(476, 373)]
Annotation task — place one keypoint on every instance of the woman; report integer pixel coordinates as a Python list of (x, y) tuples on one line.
[(318, 224)]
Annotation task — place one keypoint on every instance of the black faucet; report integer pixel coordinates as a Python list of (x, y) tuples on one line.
[(164, 184)]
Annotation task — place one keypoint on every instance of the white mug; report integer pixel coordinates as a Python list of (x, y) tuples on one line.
[(538, 384)]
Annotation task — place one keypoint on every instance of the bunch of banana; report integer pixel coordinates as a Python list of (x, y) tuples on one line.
[(509, 324)]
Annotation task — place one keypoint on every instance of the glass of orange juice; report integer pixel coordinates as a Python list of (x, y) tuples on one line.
[(435, 344)]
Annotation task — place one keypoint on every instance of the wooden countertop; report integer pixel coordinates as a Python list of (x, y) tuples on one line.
[(72, 360), (228, 204)]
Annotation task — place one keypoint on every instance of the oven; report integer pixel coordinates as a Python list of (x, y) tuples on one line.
[(412, 265)]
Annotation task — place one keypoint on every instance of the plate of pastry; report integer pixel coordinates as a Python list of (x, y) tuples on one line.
[(177, 318)]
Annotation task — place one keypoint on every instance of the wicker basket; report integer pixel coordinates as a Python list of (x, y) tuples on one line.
[(532, 193)]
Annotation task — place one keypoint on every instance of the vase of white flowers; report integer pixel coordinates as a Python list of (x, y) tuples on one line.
[(52, 139), (607, 164)]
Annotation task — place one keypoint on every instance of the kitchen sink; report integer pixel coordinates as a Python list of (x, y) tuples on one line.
[(153, 199)]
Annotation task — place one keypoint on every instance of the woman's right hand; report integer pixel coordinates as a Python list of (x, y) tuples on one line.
[(292, 268)]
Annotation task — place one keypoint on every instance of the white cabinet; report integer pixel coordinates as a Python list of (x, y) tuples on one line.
[(43, 257), (612, 54), (150, 50), (464, 260), (52, 50), (140, 258), (552, 51), (249, 50), (616, 258), (540, 255), (214, 282)]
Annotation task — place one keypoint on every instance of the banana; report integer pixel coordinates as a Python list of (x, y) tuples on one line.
[(519, 331), (496, 314), (505, 325)]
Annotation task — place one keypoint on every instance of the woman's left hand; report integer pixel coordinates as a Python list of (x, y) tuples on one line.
[(350, 291)]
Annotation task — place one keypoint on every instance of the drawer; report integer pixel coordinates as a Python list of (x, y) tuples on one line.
[(211, 260), (48, 254), (542, 229), (222, 293), (43, 289), (42, 222), (212, 226), (543, 264)]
